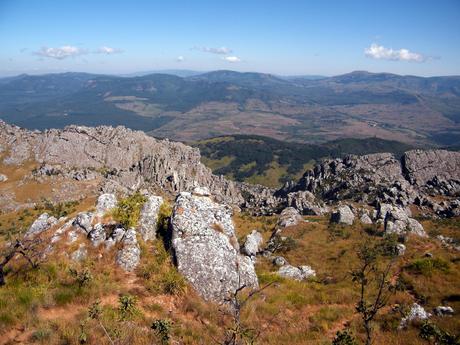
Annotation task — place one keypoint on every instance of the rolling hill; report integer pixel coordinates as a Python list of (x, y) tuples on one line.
[(410, 109)]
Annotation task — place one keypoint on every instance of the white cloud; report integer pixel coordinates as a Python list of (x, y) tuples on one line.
[(180, 58), (60, 52), (220, 51), (376, 51), (232, 59), (108, 50)]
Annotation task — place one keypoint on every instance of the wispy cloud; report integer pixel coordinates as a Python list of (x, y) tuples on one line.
[(180, 58), (232, 59), (379, 52), (108, 50), (220, 50), (60, 53)]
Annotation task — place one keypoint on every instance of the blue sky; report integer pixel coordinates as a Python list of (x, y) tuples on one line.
[(281, 37)]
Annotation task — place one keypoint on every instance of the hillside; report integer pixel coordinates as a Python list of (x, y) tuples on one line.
[(410, 109), (270, 162)]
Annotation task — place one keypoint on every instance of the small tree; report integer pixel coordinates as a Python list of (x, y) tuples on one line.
[(375, 288), (29, 248)]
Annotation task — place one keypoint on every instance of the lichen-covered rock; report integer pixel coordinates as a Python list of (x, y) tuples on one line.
[(148, 220), (253, 243), (289, 217), (42, 223), (343, 215), (365, 219), (98, 235), (206, 248), (129, 255), (105, 202), (83, 221), (416, 313), (397, 221), (296, 273), (279, 261)]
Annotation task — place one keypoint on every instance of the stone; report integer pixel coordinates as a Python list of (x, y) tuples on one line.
[(296, 273), (105, 203), (416, 313), (253, 243), (148, 220), (80, 254), (400, 249), (201, 191), (289, 217), (3, 178), (115, 237), (84, 221), (365, 219), (443, 311), (279, 261), (129, 256), (206, 249), (98, 235), (306, 203), (42, 223), (343, 215), (397, 221)]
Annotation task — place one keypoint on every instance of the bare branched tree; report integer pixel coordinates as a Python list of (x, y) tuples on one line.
[(30, 249), (375, 287)]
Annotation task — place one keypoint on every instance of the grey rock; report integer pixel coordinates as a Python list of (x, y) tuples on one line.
[(289, 217), (42, 223), (443, 311), (115, 237), (83, 221), (416, 313), (105, 203), (80, 254), (279, 261), (206, 248), (3, 178), (400, 249), (365, 219), (201, 191), (253, 243), (397, 221), (343, 215), (98, 235), (296, 273), (129, 256), (306, 203), (148, 220)]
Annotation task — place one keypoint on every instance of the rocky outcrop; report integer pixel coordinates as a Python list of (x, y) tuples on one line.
[(416, 313), (126, 159), (42, 223), (129, 255), (148, 220), (105, 203), (289, 217), (253, 243), (343, 215), (296, 273), (306, 203), (397, 221), (206, 249)]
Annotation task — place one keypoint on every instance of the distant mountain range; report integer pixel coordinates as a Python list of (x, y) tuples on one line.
[(196, 106)]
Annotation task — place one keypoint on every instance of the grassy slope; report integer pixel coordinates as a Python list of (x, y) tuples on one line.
[(47, 305), (271, 162)]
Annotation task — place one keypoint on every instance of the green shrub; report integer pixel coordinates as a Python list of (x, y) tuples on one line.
[(128, 210), (83, 277), (430, 331), (427, 266), (127, 306), (162, 329), (164, 215), (344, 338), (172, 282), (280, 244)]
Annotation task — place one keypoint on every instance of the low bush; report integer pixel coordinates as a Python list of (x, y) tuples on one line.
[(128, 210), (427, 266)]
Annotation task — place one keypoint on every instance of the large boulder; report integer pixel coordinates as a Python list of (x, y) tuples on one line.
[(42, 223), (148, 220), (343, 215), (206, 248), (84, 221), (397, 221), (306, 203), (289, 217), (129, 255), (253, 243), (416, 313), (296, 273)]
